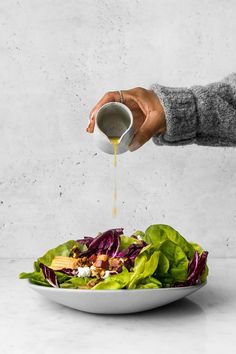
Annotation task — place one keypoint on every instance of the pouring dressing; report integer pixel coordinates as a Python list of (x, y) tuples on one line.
[(113, 133)]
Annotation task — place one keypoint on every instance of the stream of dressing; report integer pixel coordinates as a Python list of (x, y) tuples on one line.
[(114, 141)]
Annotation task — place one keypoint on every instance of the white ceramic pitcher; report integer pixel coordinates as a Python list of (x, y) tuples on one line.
[(113, 119)]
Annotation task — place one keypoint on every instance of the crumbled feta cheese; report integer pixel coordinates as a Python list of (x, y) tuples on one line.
[(139, 237), (84, 272), (93, 268), (106, 274)]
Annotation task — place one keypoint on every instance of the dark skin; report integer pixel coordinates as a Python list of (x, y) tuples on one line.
[(148, 113)]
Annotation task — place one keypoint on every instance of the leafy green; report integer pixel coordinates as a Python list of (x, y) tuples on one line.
[(24, 275), (113, 282), (200, 250), (139, 233), (39, 279), (175, 253), (157, 234), (177, 259), (61, 277), (36, 278), (36, 266), (205, 274), (167, 260), (75, 283), (163, 265), (61, 250), (196, 247), (149, 283), (145, 265), (126, 241), (140, 278)]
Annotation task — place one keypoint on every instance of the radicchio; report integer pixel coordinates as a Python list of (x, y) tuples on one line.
[(131, 253), (106, 243), (86, 240), (49, 275), (196, 267)]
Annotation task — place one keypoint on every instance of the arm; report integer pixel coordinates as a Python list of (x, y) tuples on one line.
[(205, 115)]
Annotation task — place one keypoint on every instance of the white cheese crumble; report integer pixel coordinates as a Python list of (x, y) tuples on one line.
[(84, 272), (106, 275), (139, 237)]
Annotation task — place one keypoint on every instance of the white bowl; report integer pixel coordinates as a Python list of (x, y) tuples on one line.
[(115, 301)]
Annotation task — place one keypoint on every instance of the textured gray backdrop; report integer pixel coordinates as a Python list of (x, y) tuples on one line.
[(56, 59)]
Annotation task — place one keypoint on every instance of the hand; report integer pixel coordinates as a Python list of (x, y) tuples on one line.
[(148, 113)]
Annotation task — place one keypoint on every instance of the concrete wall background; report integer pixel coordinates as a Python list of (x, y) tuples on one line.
[(56, 59)]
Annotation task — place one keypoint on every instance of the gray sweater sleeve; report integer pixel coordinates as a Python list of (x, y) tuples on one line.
[(205, 115)]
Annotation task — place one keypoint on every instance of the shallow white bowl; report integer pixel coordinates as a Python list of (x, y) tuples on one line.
[(115, 301)]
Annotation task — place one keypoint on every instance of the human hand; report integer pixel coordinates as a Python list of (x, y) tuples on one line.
[(148, 113)]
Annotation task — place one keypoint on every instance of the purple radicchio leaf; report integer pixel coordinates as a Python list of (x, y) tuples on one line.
[(49, 275), (132, 251), (192, 266), (106, 243), (129, 264), (119, 270), (197, 268), (86, 240)]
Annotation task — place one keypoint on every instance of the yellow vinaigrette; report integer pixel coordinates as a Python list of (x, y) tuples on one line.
[(115, 142)]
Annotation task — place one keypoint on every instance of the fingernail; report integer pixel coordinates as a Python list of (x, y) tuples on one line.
[(88, 130), (134, 146)]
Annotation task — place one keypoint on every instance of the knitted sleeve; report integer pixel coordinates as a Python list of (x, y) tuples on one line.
[(205, 115)]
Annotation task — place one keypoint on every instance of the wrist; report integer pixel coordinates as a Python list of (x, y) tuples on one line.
[(162, 118)]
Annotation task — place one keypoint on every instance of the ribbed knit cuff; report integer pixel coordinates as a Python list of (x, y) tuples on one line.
[(181, 115)]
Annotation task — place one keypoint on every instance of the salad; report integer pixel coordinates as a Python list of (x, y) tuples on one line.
[(157, 258)]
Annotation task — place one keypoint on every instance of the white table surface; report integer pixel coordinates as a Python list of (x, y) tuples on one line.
[(204, 322)]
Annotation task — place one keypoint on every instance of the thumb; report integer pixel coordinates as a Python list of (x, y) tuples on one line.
[(149, 127)]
